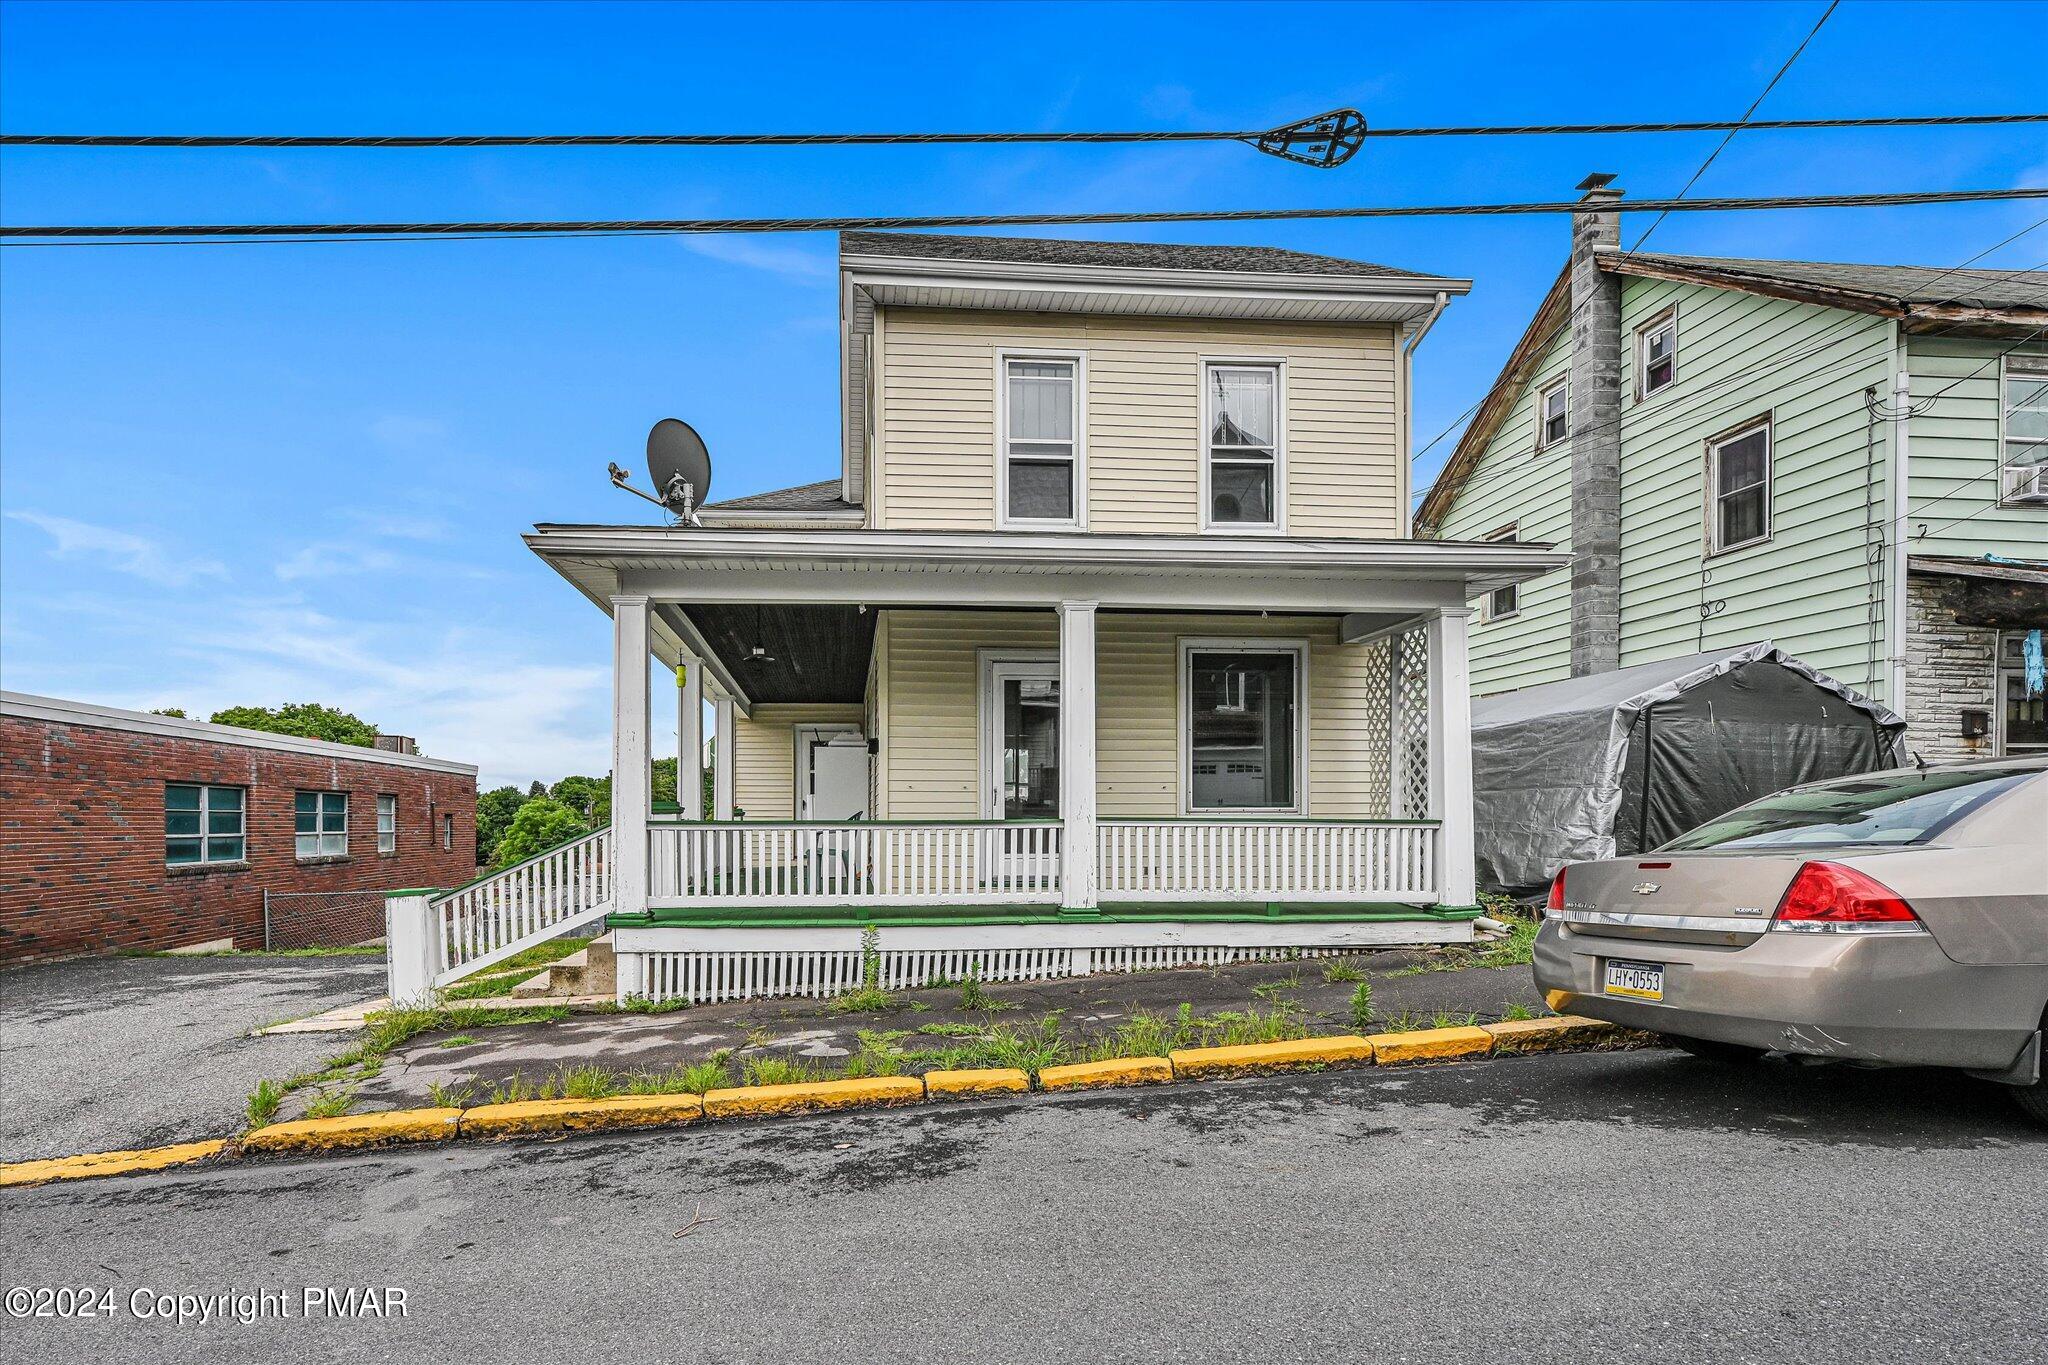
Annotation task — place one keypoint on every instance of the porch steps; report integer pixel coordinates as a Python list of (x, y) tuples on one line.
[(594, 970)]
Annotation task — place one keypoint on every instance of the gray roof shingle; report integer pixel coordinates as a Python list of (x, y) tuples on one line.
[(1901, 284), (1131, 255), (822, 496)]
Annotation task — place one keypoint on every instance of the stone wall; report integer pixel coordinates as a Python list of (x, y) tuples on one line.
[(1949, 666)]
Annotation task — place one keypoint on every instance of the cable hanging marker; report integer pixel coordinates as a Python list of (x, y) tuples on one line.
[(1325, 141)]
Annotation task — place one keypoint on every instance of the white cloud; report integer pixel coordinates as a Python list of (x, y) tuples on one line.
[(792, 263), (333, 558), (123, 551)]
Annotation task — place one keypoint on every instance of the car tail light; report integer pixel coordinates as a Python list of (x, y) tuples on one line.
[(1830, 897), (1555, 905)]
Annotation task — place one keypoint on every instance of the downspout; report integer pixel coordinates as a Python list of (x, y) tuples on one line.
[(1895, 604), (1404, 375)]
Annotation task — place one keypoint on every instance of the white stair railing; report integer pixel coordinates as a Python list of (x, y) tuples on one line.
[(492, 918)]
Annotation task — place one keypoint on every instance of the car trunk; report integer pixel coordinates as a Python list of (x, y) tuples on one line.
[(1725, 899)]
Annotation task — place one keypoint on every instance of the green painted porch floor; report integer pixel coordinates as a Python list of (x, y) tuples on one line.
[(1112, 912)]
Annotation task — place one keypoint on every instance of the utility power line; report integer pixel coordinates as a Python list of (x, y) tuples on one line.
[(613, 227), (374, 141), (1743, 122)]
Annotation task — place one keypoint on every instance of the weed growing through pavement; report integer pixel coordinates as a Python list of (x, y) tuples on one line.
[(332, 1104), (1361, 1006), (870, 997), (459, 1040), (1510, 1011), (1337, 969), (264, 1102)]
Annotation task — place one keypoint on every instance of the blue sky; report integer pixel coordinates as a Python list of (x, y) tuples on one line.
[(280, 472)]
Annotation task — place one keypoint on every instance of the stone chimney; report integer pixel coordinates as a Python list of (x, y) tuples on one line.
[(1596, 433), (394, 744)]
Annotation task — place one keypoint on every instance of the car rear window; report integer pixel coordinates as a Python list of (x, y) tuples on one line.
[(1904, 807)]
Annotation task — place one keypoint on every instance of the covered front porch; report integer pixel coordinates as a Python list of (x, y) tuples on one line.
[(1029, 756)]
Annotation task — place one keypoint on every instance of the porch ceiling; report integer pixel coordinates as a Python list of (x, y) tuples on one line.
[(812, 653)]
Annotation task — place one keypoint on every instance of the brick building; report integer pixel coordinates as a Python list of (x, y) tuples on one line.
[(120, 829)]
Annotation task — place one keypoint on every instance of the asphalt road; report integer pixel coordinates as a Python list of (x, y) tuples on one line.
[(104, 1054), (1623, 1207)]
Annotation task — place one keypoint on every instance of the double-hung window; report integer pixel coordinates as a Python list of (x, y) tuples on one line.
[(1243, 455), (387, 824), (204, 824), (1508, 600), (1739, 487), (1041, 480), (320, 824), (1243, 709), (1553, 412), (2025, 408), (1657, 354)]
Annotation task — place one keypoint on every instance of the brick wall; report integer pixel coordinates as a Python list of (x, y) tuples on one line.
[(82, 865), (1949, 666)]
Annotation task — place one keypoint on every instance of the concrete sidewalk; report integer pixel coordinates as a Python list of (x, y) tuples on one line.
[(1403, 991)]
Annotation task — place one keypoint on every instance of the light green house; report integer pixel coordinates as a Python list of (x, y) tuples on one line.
[(1848, 461)]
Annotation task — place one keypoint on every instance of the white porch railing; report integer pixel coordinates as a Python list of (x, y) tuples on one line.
[(755, 863), (494, 917), (1296, 860)]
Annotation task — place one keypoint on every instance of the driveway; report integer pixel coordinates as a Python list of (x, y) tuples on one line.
[(102, 1054)]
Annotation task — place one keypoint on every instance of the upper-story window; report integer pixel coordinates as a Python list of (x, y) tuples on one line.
[(1041, 476), (1553, 412), (1508, 600), (204, 824), (1243, 458), (1657, 354), (320, 824), (1739, 487), (2026, 429)]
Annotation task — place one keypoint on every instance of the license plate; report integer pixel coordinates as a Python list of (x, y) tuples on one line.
[(1638, 980)]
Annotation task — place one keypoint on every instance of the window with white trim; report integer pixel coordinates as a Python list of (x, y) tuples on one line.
[(1739, 487), (1508, 600), (2024, 407), (1041, 416), (1554, 412), (387, 824), (1243, 708), (1657, 354), (204, 824), (1242, 441), (320, 824), (447, 831)]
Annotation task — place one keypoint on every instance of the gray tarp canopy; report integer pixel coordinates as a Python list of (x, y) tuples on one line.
[(1614, 763)]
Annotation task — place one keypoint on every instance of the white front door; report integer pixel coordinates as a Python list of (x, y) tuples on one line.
[(1020, 755), (832, 774)]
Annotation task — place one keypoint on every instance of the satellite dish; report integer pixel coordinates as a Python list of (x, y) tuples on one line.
[(678, 463)]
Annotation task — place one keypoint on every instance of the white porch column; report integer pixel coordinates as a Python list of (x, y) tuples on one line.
[(721, 758), (1077, 757), (1450, 754), (630, 778), (690, 737)]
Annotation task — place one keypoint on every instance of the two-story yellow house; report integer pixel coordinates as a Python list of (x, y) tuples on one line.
[(1106, 647)]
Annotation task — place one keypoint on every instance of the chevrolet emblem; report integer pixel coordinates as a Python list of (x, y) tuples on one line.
[(1647, 888)]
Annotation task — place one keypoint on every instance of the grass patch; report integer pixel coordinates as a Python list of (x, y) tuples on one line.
[(1339, 970), (1155, 1035), (263, 1103), (975, 996), (332, 1104), (778, 1071), (866, 1000), (1511, 1012), (459, 1040)]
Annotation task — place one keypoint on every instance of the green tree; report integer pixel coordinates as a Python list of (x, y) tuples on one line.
[(307, 719), (174, 712), (539, 788), (589, 797), (494, 811), (665, 780), (541, 824)]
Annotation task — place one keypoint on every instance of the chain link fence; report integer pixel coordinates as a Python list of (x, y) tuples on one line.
[(321, 919)]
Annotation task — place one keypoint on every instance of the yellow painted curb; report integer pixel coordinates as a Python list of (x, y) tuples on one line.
[(1430, 1044), (355, 1130), (105, 1163), (575, 1116), (1544, 1035), (1120, 1071), (956, 1085), (1252, 1058), (1557, 1000), (757, 1100)]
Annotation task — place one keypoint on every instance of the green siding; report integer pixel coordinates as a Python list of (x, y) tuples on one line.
[(1953, 454), (1512, 483)]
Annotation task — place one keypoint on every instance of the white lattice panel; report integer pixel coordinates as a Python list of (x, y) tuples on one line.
[(1412, 710)]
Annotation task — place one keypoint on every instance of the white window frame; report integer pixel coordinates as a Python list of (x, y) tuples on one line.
[(448, 832), (325, 845), (1564, 383), (387, 823), (2000, 671), (1184, 737), (1666, 318), (1005, 357), (1509, 532), (206, 834), (2009, 491), (1278, 365), (1714, 445)]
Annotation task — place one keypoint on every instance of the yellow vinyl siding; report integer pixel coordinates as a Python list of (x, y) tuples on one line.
[(931, 722), (1143, 421), (764, 754)]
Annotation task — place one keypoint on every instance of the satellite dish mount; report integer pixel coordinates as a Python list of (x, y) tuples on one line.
[(680, 466)]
